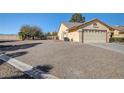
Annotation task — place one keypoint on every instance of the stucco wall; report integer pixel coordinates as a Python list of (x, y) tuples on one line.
[(99, 26), (73, 36), (121, 35), (9, 37), (61, 32)]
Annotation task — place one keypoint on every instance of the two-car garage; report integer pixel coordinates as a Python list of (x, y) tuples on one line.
[(94, 36)]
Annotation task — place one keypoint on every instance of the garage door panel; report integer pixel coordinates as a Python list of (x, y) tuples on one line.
[(94, 37)]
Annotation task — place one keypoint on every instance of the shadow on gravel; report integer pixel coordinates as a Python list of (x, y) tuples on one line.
[(17, 54), (38, 70), (17, 47), (1, 62), (43, 68), (4, 41), (24, 76), (13, 55)]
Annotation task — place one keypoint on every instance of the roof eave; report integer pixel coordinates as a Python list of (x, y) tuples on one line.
[(110, 28)]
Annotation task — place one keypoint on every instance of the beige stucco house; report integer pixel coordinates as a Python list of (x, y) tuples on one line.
[(94, 31)]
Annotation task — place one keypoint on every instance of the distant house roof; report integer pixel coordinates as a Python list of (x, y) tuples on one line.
[(120, 28), (71, 24)]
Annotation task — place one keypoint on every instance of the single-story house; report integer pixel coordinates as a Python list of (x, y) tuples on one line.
[(119, 31), (94, 31)]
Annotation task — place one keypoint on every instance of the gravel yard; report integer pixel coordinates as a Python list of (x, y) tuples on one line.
[(9, 72), (69, 60)]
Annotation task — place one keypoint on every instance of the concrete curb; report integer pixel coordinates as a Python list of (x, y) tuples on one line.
[(27, 69)]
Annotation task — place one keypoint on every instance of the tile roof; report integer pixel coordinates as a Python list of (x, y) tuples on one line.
[(120, 28), (71, 24)]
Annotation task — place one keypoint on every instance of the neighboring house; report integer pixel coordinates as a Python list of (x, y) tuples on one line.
[(51, 38), (119, 31), (94, 31)]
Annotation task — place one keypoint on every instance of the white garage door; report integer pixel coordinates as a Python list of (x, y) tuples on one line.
[(94, 36)]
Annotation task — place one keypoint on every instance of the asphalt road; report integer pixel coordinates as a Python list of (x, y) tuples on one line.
[(67, 59)]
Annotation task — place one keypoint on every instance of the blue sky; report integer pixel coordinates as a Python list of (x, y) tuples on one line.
[(10, 23)]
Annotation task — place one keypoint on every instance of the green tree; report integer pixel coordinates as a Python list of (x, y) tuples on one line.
[(22, 35), (36, 32), (48, 34), (30, 32), (54, 33), (77, 17), (24, 32)]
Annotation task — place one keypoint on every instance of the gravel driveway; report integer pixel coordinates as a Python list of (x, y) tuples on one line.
[(110, 46), (69, 60)]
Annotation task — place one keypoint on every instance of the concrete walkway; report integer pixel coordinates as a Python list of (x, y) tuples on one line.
[(110, 46)]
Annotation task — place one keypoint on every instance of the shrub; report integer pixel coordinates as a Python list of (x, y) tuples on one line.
[(66, 39), (116, 39)]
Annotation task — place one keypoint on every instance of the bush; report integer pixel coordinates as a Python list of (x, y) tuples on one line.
[(66, 39), (116, 39)]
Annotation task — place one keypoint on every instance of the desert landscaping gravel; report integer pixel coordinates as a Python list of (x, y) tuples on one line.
[(9, 72), (69, 60)]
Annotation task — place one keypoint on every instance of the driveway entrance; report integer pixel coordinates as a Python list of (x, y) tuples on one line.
[(110, 46)]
